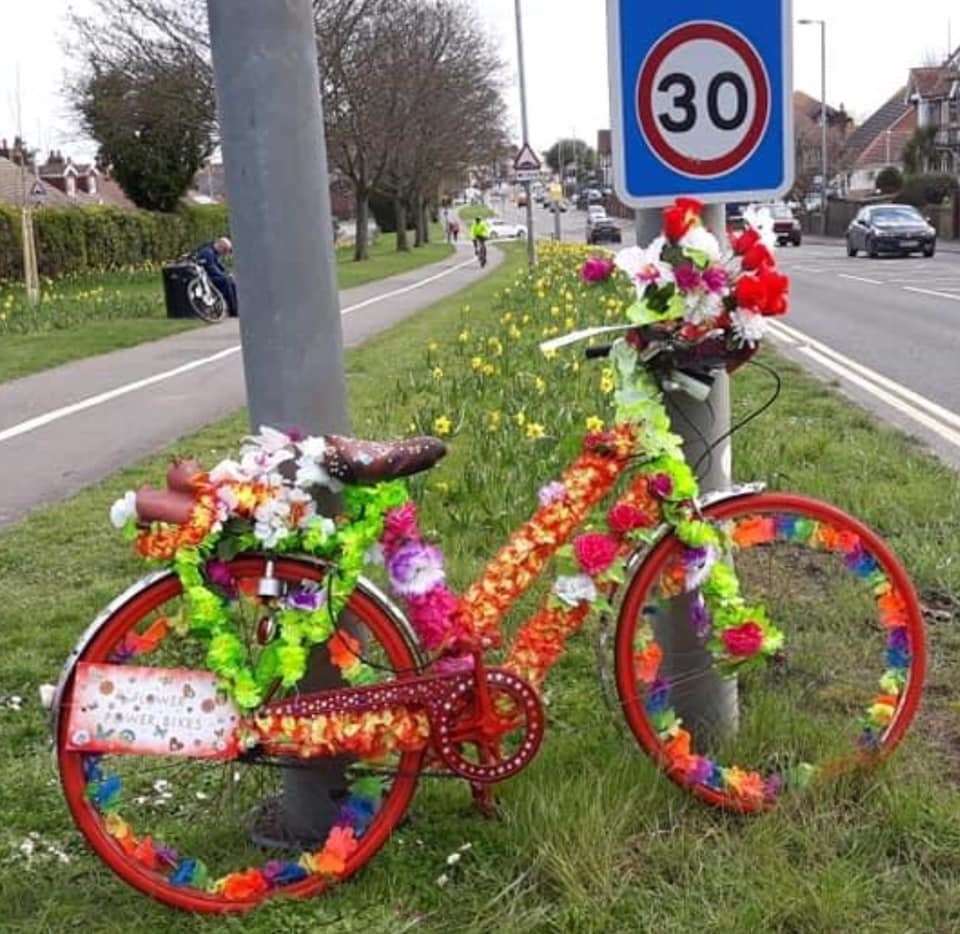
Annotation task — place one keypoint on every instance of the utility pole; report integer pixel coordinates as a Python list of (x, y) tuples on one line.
[(31, 276), (822, 23), (271, 121), (531, 245), (704, 700)]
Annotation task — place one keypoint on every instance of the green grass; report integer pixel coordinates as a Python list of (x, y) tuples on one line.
[(470, 212), (81, 316), (590, 838)]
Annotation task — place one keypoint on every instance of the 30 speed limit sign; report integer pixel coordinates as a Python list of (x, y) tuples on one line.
[(701, 100)]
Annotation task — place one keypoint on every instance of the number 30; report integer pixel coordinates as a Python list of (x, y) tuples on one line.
[(685, 101)]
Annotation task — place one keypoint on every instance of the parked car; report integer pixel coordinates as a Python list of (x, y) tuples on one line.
[(891, 228), (786, 227), (503, 230), (604, 230)]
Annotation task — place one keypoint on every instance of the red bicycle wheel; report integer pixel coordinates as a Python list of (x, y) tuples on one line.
[(851, 619), (198, 815)]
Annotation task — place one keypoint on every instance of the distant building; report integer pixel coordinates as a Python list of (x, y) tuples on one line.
[(16, 182), (934, 95), (879, 142), (71, 178)]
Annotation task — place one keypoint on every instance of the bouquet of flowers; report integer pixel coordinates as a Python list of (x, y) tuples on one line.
[(690, 286)]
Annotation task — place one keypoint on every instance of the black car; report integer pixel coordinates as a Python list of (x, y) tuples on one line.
[(891, 228), (604, 230), (786, 227)]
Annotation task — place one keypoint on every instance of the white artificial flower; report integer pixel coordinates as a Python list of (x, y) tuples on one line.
[(761, 220), (314, 447), (227, 471), (259, 463), (269, 440), (748, 328), (575, 589), (644, 266), (699, 238), (701, 307), (699, 572), (308, 507), (312, 473), (124, 509)]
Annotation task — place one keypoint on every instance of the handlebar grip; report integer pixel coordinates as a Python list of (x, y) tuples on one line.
[(599, 352)]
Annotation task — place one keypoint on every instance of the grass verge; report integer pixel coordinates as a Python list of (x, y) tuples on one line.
[(470, 212), (590, 838), (83, 316)]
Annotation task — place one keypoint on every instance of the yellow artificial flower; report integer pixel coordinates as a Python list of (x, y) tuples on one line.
[(442, 426), (594, 423), (535, 431)]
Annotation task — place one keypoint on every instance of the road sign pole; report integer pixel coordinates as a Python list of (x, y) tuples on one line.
[(708, 703), (531, 244), (270, 112), (557, 224)]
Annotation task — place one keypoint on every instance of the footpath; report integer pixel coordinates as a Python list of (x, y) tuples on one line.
[(66, 428)]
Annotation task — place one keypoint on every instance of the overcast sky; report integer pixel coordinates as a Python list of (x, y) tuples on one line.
[(868, 56)]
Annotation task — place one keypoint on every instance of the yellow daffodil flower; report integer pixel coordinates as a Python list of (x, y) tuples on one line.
[(442, 426)]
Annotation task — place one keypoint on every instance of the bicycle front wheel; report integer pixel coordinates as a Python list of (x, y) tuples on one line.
[(212, 836), (841, 693)]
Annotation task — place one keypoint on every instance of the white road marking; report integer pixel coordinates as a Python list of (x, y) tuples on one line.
[(925, 411), (843, 275), (909, 288), (39, 421)]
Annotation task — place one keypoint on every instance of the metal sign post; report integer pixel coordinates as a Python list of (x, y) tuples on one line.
[(531, 245), (701, 98)]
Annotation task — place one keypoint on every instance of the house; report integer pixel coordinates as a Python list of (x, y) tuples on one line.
[(879, 142), (16, 182), (71, 178), (808, 138), (934, 94)]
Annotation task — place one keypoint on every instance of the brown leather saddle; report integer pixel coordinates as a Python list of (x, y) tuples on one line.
[(349, 460)]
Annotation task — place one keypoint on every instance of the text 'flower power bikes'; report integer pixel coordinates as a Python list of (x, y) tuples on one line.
[(192, 697)]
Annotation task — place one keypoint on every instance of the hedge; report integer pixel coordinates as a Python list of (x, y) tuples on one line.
[(71, 240)]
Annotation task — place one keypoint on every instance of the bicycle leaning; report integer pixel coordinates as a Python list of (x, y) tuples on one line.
[(188, 701)]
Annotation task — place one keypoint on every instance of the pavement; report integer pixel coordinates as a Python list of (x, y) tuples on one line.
[(66, 428)]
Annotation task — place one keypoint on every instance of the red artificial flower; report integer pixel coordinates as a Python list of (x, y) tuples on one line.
[(679, 218), (597, 269), (775, 287), (743, 641), (595, 552), (242, 886), (624, 518), (757, 257), (749, 293), (745, 242)]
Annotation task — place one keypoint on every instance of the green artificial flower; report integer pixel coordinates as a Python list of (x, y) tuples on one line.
[(320, 536), (370, 788), (696, 533), (317, 626), (244, 690), (268, 665), (721, 584), (206, 610), (225, 654), (186, 563), (291, 664)]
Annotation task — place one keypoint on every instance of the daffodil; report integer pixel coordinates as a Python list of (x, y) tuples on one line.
[(438, 373), (520, 418), (594, 423), (607, 382), (442, 426), (493, 421), (463, 336), (535, 431), (476, 363)]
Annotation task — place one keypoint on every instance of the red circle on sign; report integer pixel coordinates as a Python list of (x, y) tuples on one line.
[(671, 157)]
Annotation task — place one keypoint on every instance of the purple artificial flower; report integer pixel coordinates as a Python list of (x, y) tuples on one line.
[(453, 664), (597, 269), (700, 618), (661, 485), (307, 601), (551, 493), (415, 569), (899, 640), (773, 786), (688, 278), (166, 854), (701, 771), (715, 279), (218, 574)]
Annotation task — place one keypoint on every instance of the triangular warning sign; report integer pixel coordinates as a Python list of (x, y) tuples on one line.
[(526, 159), (38, 190)]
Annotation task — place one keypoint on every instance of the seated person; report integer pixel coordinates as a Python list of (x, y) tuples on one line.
[(209, 256)]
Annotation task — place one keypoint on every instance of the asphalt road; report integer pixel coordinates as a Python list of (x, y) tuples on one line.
[(887, 330), (63, 429)]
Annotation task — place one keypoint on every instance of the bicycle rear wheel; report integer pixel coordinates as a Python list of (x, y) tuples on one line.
[(843, 691), (210, 836)]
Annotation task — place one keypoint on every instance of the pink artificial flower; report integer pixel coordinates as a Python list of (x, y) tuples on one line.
[(400, 526), (552, 493), (688, 279), (595, 552), (661, 485), (743, 641), (715, 279), (596, 269), (432, 615)]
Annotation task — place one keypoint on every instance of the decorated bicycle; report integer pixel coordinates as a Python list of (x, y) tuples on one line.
[(261, 647)]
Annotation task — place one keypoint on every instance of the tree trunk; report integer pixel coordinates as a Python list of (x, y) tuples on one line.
[(400, 214), (360, 247), (425, 222), (417, 224)]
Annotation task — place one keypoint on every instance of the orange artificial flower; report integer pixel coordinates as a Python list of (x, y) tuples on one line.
[(241, 886), (756, 531), (647, 663)]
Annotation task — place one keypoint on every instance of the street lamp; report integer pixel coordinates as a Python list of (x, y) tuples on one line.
[(822, 23)]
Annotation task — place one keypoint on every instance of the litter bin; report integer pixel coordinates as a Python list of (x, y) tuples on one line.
[(176, 280)]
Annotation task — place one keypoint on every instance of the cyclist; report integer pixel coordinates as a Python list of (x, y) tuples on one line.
[(480, 233), (209, 255)]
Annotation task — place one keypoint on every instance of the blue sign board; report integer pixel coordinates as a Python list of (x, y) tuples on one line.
[(701, 99)]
